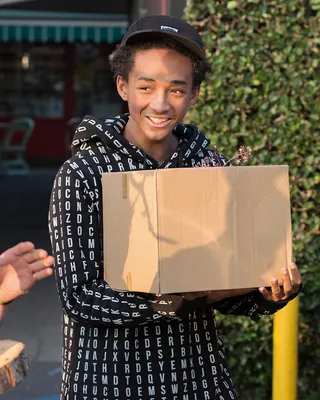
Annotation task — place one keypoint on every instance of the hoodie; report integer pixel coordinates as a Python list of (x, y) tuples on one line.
[(125, 345)]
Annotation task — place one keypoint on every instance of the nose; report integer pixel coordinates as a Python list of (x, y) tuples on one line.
[(159, 102)]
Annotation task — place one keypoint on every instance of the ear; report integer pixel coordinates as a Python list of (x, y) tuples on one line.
[(122, 87), (194, 95)]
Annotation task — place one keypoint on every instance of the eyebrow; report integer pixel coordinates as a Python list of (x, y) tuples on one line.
[(174, 82)]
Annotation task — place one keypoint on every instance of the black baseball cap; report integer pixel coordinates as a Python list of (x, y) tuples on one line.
[(153, 26)]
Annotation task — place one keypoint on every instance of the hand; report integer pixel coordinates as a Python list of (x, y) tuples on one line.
[(20, 268), (285, 289)]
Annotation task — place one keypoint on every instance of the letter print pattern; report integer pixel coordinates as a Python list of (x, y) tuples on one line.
[(119, 345)]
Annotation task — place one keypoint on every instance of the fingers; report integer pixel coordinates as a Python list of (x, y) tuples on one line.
[(286, 287), (276, 289), (22, 248), (39, 265), (35, 255), (275, 294), (42, 274), (9, 255), (292, 279), (48, 261), (265, 292), (287, 284), (295, 274)]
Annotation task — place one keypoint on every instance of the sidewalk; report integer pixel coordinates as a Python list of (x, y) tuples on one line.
[(35, 318)]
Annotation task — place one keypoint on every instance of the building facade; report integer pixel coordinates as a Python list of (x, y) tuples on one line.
[(54, 64)]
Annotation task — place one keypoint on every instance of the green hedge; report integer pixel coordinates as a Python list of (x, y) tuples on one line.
[(264, 91)]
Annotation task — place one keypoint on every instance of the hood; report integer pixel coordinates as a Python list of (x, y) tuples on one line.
[(110, 132)]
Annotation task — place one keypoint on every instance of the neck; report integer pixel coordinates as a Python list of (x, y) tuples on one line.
[(158, 150)]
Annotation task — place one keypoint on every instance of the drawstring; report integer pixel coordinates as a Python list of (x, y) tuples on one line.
[(180, 159)]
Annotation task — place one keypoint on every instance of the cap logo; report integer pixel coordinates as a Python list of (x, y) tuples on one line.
[(169, 28)]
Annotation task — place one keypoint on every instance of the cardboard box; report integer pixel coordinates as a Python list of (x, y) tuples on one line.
[(194, 229)]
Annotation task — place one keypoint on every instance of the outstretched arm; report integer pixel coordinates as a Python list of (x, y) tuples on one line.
[(20, 268)]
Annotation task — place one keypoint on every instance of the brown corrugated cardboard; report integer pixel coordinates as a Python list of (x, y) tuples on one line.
[(194, 229)]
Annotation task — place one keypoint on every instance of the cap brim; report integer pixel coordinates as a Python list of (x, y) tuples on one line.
[(147, 35)]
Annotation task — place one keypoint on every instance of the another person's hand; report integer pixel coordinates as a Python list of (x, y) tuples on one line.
[(20, 268), (286, 288)]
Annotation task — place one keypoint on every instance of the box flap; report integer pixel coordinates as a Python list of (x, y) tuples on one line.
[(130, 231)]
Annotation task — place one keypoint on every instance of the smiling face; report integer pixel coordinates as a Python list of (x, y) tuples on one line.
[(159, 91)]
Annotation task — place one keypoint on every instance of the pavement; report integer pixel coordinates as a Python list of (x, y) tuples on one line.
[(34, 319)]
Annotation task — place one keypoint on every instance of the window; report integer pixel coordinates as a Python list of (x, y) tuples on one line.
[(95, 90), (31, 80)]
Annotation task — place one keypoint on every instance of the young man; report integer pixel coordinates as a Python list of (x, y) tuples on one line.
[(124, 345)]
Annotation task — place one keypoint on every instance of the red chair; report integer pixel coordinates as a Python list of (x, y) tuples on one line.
[(12, 151)]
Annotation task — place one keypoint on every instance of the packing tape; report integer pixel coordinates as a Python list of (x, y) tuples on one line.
[(124, 186)]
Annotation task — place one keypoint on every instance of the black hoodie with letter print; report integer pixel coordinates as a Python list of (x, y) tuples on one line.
[(125, 345)]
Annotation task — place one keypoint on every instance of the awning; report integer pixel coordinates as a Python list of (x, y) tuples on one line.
[(26, 26)]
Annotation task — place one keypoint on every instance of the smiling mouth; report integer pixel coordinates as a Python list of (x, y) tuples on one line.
[(157, 121)]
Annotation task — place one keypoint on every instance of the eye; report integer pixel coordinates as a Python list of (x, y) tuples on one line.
[(178, 91), (144, 88)]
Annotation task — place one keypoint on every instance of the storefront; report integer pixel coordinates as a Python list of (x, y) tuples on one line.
[(53, 67)]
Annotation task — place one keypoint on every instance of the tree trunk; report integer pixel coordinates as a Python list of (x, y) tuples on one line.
[(14, 364)]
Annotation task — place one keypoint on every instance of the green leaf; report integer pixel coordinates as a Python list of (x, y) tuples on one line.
[(232, 4), (265, 89)]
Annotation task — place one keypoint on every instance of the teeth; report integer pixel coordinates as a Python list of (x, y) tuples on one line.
[(158, 120)]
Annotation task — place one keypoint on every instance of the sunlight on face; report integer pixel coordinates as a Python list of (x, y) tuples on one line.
[(159, 91)]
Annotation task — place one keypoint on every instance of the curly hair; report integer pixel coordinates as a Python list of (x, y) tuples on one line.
[(122, 59)]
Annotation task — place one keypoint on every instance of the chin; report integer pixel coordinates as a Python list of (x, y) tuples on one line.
[(159, 136)]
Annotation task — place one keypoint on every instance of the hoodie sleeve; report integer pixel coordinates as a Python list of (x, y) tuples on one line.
[(76, 238), (253, 305)]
